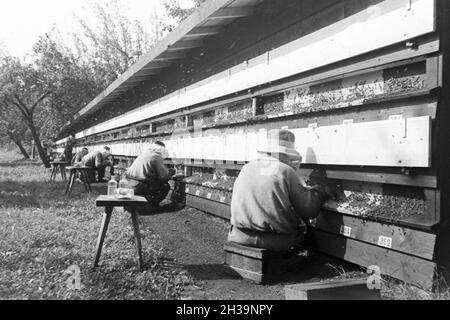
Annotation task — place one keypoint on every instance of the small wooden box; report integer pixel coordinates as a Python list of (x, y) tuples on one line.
[(332, 290), (254, 264)]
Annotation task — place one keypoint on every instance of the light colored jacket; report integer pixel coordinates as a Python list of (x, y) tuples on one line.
[(268, 196), (94, 159)]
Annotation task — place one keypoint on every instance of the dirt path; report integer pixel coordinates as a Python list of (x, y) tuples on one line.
[(195, 240)]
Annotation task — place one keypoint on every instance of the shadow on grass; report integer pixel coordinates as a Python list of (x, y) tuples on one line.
[(19, 163), (35, 194), (210, 272)]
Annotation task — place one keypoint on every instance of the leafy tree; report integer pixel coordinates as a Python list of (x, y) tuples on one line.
[(71, 82), (113, 42), (13, 126), (22, 87), (176, 12)]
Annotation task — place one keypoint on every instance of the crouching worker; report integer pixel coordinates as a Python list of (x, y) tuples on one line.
[(149, 177), (98, 160), (269, 201), (78, 158)]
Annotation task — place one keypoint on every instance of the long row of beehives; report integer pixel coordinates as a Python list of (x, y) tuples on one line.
[(370, 133)]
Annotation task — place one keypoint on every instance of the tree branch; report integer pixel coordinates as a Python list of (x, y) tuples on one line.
[(22, 109), (39, 100)]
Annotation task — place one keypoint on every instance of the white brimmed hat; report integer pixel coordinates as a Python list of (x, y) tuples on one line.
[(162, 151), (281, 142)]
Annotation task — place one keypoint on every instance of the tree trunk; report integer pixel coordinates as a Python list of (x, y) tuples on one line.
[(21, 148), (33, 150), (37, 141)]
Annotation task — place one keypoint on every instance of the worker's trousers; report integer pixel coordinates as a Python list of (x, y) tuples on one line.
[(267, 240), (154, 191)]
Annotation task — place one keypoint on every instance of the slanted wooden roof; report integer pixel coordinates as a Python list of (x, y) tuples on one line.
[(210, 19)]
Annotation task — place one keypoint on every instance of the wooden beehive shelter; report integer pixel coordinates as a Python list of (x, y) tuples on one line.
[(363, 84)]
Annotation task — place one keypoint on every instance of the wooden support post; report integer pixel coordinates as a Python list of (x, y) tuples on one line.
[(255, 104), (187, 171), (434, 72), (432, 205)]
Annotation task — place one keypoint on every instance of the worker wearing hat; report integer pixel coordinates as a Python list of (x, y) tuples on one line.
[(270, 202)]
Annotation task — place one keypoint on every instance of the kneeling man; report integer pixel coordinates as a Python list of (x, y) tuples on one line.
[(269, 201), (148, 175)]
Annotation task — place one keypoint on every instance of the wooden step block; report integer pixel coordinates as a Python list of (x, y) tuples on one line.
[(254, 264), (332, 290)]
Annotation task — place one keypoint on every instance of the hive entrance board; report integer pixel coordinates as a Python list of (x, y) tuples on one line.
[(397, 142)]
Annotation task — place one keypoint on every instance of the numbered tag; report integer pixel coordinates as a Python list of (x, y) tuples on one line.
[(385, 242), (187, 190), (223, 199), (197, 193), (209, 196), (347, 122), (346, 231), (396, 117)]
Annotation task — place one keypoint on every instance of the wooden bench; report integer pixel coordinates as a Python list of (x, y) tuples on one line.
[(130, 206), (58, 166), (84, 175), (349, 289), (257, 265)]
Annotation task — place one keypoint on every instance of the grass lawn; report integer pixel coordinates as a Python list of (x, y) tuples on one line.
[(43, 233)]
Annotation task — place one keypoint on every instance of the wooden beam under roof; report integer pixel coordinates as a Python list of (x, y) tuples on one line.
[(203, 31), (147, 72), (229, 13), (174, 55), (157, 65), (185, 45), (141, 76), (134, 80)]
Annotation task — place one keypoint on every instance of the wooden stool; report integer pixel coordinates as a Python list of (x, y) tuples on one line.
[(128, 205), (58, 166), (84, 177), (254, 264)]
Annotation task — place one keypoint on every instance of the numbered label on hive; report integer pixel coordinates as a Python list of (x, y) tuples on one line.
[(197, 193), (385, 242), (346, 231), (209, 196)]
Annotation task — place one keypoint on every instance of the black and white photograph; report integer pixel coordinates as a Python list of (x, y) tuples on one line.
[(229, 151)]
